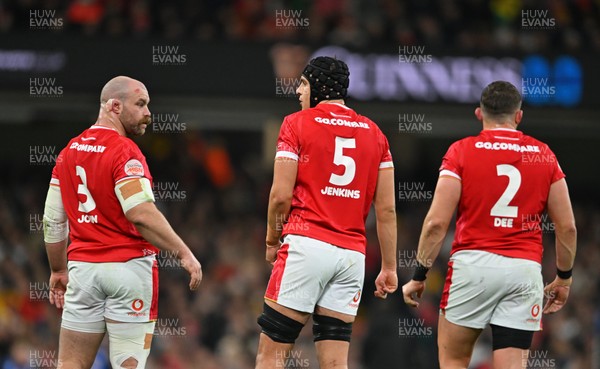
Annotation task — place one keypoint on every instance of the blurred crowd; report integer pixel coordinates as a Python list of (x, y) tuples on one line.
[(473, 25), (220, 213)]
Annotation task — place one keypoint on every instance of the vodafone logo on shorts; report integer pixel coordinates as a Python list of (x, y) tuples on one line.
[(535, 310), (355, 300), (137, 305), (134, 168)]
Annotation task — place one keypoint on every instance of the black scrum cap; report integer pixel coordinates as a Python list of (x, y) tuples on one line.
[(328, 78)]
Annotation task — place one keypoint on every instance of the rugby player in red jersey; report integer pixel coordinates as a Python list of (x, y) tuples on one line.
[(331, 164), (101, 197), (502, 181)]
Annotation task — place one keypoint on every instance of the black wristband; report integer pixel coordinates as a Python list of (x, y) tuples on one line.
[(564, 275), (420, 273)]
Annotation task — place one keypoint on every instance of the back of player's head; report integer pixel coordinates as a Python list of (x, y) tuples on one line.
[(117, 88), (500, 98), (328, 78)]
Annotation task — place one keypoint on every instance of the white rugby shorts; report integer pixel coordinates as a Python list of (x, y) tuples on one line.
[(309, 273), (484, 288), (121, 291)]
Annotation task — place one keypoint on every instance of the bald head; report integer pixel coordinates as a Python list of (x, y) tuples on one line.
[(124, 106), (119, 88)]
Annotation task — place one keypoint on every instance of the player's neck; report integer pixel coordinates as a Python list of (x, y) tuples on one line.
[(111, 125), (497, 125), (339, 101)]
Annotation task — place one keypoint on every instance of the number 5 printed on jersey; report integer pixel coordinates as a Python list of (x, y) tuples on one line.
[(339, 158)]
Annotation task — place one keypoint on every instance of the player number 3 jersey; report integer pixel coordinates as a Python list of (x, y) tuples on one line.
[(87, 171)]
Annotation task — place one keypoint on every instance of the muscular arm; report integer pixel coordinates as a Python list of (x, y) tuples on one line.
[(57, 255), (561, 213), (280, 198), (385, 213), (155, 228), (435, 226), (56, 231)]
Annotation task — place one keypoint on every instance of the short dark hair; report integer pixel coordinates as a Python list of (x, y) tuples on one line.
[(500, 98)]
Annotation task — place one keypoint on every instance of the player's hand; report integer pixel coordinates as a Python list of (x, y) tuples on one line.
[(386, 282), (192, 266), (557, 294), (271, 253), (58, 288), (410, 289)]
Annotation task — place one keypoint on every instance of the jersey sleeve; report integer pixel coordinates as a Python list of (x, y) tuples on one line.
[(288, 144), (451, 162), (386, 156), (557, 173), (129, 163), (54, 180)]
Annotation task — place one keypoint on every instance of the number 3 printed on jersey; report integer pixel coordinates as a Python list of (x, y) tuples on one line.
[(82, 189), (501, 208), (339, 158)]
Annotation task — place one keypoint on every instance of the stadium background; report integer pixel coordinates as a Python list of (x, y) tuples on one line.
[(221, 76)]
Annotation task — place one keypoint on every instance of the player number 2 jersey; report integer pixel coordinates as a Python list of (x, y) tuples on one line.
[(506, 178), (86, 172), (339, 154)]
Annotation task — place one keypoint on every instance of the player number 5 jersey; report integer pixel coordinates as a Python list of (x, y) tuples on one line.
[(339, 154)]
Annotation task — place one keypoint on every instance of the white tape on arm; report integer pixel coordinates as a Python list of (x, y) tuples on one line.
[(133, 192), (56, 226)]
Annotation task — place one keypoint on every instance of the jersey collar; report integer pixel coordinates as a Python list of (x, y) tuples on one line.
[(102, 127)]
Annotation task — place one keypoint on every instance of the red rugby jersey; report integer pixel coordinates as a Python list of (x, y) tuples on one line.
[(339, 154), (506, 178), (86, 171)]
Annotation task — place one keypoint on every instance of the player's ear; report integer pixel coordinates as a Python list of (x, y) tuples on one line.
[(108, 105), (114, 105), (518, 116), (479, 114)]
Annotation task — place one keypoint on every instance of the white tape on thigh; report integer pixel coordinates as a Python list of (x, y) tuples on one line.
[(129, 340)]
